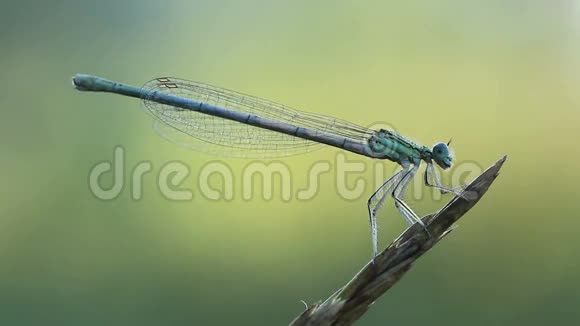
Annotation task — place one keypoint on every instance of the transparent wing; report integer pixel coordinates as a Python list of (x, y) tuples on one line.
[(224, 137)]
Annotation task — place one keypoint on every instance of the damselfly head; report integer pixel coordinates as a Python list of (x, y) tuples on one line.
[(442, 155)]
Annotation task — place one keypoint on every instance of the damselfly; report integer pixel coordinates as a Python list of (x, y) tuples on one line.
[(229, 123)]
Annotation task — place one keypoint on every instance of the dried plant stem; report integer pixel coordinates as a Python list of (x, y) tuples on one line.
[(351, 301)]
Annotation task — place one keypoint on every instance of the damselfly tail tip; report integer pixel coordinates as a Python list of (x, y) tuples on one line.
[(77, 82), (84, 82), (91, 83)]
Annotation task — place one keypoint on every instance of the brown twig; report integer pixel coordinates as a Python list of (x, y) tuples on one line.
[(350, 302)]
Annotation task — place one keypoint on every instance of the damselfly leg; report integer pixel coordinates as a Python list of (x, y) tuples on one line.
[(376, 201), (395, 187), (433, 180)]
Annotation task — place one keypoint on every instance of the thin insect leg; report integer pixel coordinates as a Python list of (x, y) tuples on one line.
[(431, 173), (400, 188), (374, 205), (398, 194), (384, 190), (406, 211)]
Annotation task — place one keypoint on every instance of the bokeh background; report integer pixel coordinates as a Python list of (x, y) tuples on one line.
[(499, 77)]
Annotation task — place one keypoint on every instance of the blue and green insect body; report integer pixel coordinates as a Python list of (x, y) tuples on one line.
[(388, 145)]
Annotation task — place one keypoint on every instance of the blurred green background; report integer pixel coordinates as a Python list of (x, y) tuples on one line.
[(499, 77)]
